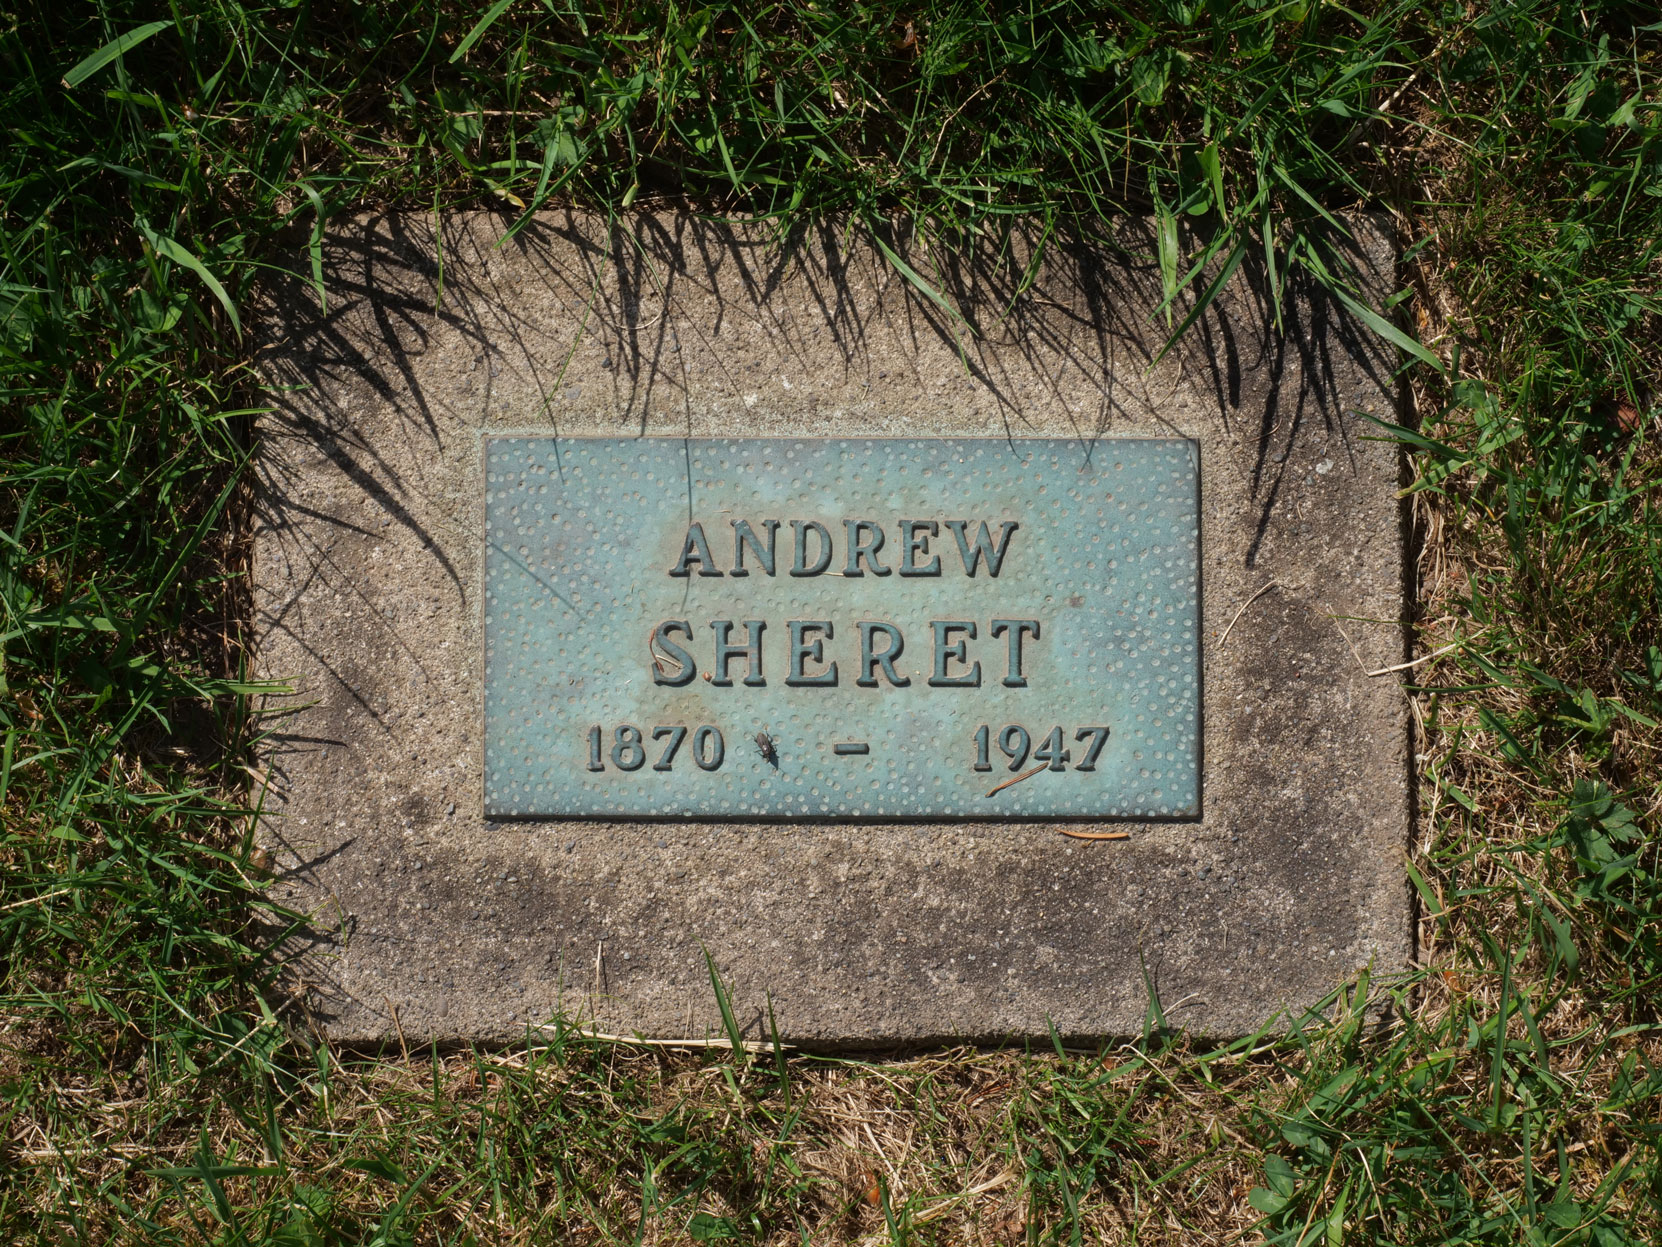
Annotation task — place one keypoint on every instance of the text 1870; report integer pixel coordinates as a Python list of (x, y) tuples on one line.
[(629, 747)]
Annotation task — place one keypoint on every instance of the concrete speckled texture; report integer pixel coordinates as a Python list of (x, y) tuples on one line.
[(430, 921)]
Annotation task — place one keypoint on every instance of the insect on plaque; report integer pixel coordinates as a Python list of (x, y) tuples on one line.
[(873, 628)]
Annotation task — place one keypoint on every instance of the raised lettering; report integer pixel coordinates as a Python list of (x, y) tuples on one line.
[(726, 652), (865, 539), (1017, 628), (744, 535), (914, 540), (800, 530), (695, 549), (982, 547), (813, 651), (660, 641), (956, 651), (871, 659)]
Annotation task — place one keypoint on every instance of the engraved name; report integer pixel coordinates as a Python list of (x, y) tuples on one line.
[(863, 545), (873, 646)]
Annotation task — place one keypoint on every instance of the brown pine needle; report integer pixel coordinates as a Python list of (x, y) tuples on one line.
[(1094, 835), (1242, 610), (993, 792)]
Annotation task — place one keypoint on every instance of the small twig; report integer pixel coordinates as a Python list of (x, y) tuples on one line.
[(1403, 666), (399, 1027), (1274, 584), (658, 660), (948, 1202), (894, 1176), (980, 90), (1094, 835), (748, 1045), (993, 792), (252, 1032), (261, 778), (1390, 100), (1354, 652), (40, 1155), (33, 900)]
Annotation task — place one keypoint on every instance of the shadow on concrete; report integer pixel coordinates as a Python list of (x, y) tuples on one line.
[(668, 302)]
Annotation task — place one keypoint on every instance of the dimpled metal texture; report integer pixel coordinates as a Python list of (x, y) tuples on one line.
[(582, 534)]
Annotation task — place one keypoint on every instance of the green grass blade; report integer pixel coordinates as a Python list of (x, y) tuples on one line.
[(84, 69), (1236, 254), (166, 246), (1373, 320), (480, 27), (315, 247), (729, 1023), (919, 284)]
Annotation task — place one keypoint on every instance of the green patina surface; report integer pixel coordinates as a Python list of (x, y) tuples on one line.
[(830, 628)]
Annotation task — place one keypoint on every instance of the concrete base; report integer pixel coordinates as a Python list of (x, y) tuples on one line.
[(431, 921)]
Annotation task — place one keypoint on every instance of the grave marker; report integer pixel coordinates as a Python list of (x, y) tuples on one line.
[(681, 591), (632, 646)]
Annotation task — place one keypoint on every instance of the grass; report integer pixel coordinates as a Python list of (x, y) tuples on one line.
[(158, 160)]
